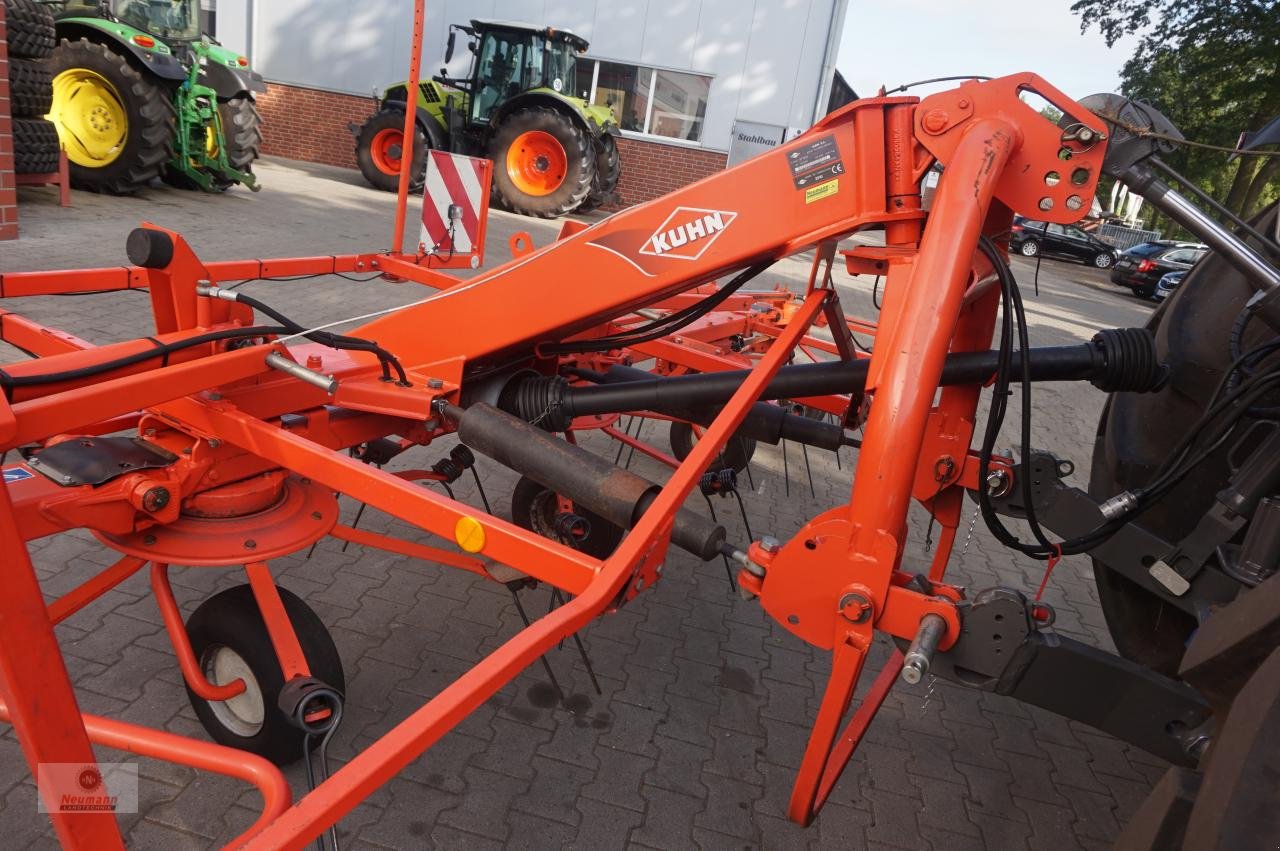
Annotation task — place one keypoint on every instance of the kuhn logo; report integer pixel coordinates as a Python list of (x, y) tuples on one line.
[(687, 233)]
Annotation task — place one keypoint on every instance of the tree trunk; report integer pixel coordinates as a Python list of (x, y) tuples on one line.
[(1240, 185), (1264, 176)]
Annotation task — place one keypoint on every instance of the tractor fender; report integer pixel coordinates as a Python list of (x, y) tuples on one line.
[(547, 98), (159, 60), (229, 82), (428, 123)]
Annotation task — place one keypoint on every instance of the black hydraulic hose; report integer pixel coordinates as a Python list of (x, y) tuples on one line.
[(1108, 365)]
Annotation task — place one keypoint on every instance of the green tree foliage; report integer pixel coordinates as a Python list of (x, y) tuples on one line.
[(1211, 66)]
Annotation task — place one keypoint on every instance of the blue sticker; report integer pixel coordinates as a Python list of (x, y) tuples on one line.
[(17, 474)]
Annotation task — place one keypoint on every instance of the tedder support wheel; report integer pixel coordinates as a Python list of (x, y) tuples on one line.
[(380, 147), (116, 122), (29, 29), (230, 640), (544, 163), (608, 170), (736, 453), (537, 508), (35, 146)]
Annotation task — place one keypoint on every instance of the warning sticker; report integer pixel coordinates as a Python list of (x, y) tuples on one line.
[(815, 163), (822, 190)]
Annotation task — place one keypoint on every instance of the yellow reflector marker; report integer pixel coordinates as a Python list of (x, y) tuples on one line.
[(469, 534)]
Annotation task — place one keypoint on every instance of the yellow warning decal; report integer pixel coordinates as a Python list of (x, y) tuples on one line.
[(822, 190)]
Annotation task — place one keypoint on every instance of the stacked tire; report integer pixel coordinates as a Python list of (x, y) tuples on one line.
[(31, 39)]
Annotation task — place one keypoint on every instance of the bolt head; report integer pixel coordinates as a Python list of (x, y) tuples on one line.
[(435, 383), (251, 544), (911, 673), (770, 544), (935, 120)]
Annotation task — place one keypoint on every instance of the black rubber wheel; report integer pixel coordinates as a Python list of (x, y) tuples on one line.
[(35, 146), (1030, 248), (30, 88), (515, 163), (1103, 260), (1145, 291), (230, 640), (535, 507), (148, 106), (737, 452), (29, 28), (380, 147), (608, 170)]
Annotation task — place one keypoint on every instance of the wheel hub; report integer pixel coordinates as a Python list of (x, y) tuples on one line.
[(90, 116)]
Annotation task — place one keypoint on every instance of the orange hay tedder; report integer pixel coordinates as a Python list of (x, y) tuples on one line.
[(220, 440)]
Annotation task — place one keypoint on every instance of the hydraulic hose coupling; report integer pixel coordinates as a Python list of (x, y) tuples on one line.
[(208, 290), (920, 654)]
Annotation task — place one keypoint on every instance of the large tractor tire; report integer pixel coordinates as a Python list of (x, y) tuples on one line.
[(1138, 431), (116, 121), (35, 146), (29, 29), (608, 170), (380, 147), (30, 88), (544, 163)]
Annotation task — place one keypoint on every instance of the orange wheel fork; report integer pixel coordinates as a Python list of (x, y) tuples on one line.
[(386, 149), (537, 163)]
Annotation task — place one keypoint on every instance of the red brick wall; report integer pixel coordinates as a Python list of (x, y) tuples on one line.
[(308, 124), (8, 190)]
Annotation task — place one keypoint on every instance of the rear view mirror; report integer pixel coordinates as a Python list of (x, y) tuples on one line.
[(448, 47)]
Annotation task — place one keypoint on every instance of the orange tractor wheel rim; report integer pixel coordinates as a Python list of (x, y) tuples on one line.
[(386, 149), (537, 163)]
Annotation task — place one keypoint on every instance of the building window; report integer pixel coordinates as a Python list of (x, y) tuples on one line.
[(670, 104)]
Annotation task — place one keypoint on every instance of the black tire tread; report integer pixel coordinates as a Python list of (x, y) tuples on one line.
[(608, 170), (391, 117), (35, 146), (580, 150), (242, 128), (154, 131), (30, 88), (29, 29)]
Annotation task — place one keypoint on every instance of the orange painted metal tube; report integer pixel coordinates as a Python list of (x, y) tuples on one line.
[(378, 763), (187, 662), (906, 369), (158, 744), (410, 549), (293, 662), (410, 118)]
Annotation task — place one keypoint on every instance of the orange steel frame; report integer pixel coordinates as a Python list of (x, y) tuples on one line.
[(229, 418)]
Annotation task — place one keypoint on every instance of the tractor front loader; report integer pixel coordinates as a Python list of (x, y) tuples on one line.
[(138, 93), (554, 153)]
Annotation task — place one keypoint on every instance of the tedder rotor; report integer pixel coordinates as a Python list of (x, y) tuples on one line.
[(222, 439)]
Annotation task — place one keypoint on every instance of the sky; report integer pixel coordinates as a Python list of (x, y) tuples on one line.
[(892, 42)]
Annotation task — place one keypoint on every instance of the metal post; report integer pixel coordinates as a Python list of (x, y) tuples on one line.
[(410, 117)]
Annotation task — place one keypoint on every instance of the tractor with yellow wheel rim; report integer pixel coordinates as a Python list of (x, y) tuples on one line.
[(140, 93), (553, 152)]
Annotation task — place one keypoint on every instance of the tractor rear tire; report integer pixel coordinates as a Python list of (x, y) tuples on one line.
[(608, 170), (380, 146), (35, 146), (93, 84), (30, 89), (30, 29), (242, 127), (544, 163)]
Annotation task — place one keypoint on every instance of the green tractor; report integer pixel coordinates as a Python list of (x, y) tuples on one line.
[(139, 93), (553, 153)]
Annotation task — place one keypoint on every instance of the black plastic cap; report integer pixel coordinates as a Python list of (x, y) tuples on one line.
[(151, 249)]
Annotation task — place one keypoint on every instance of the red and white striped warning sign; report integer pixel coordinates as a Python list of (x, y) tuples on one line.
[(453, 179)]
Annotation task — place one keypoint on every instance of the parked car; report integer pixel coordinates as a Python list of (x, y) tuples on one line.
[(1141, 267), (1168, 284), (1029, 237)]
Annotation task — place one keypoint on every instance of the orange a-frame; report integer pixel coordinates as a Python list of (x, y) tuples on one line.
[(238, 433)]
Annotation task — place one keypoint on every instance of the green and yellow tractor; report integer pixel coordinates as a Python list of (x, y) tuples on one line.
[(139, 93), (553, 153)]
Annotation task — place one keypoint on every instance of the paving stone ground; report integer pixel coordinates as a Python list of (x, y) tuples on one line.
[(706, 702)]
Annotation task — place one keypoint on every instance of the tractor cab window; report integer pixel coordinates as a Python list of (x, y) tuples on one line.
[(560, 62), (506, 68), (170, 19)]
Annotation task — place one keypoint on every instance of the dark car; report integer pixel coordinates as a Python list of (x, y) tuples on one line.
[(1168, 284), (1029, 237), (1141, 267)]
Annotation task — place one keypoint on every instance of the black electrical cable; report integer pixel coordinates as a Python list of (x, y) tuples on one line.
[(9, 382), (906, 86), (324, 729), (659, 327)]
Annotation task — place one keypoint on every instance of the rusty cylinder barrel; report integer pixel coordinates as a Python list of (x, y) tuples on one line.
[(615, 494)]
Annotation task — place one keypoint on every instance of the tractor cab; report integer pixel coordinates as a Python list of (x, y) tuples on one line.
[(171, 20), (512, 58)]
